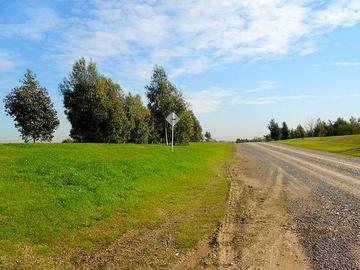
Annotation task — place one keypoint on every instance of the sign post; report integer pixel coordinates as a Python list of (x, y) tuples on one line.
[(172, 119)]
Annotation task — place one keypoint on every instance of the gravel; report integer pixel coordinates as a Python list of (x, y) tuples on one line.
[(327, 215)]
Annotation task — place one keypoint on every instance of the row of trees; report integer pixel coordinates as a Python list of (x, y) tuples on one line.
[(283, 132), (314, 128), (99, 111), (255, 139), (340, 126)]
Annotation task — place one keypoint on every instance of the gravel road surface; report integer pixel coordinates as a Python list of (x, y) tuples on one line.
[(320, 193)]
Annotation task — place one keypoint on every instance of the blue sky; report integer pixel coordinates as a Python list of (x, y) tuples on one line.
[(239, 63)]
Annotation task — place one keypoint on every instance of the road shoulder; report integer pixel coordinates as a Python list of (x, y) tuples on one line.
[(257, 232)]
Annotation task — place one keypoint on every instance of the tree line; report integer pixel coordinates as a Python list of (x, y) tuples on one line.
[(99, 111), (313, 128), (246, 140)]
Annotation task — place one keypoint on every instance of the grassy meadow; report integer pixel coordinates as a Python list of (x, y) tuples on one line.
[(66, 198), (347, 145)]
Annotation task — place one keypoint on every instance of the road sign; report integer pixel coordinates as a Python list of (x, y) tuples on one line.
[(172, 119)]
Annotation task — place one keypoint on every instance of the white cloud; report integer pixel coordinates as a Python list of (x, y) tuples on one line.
[(6, 63), (263, 86), (339, 13), (347, 64), (188, 36), (205, 105), (206, 101), (37, 22), (274, 99)]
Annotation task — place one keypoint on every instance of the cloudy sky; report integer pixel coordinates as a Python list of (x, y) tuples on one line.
[(238, 62)]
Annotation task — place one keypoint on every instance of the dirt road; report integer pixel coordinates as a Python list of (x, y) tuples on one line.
[(291, 208)]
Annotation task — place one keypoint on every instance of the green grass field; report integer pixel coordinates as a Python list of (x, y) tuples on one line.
[(347, 145), (65, 197)]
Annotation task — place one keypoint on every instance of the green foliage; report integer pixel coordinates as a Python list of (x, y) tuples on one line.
[(161, 95), (320, 129), (99, 112), (138, 117), (32, 110), (348, 145), (285, 132), (164, 98), (300, 132), (184, 129), (275, 131), (316, 128), (188, 129), (81, 196), (255, 139), (208, 136), (343, 127), (197, 135), (94, 105)]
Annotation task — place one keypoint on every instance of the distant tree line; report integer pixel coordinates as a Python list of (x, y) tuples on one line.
[(255, 139), (314, 128), (99, 111), (208, 137)]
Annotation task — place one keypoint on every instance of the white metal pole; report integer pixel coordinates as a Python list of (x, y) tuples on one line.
[(166, 135), (172, 133)]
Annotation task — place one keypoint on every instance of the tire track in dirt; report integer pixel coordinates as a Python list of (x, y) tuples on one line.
[(257, 233)]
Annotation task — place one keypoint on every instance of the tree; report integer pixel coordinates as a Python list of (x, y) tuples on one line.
[(208, 136), (342, 127), (164, 98), (285, 132), (138, 117), (197, 130), (316, 128), (159, 93), (267, 138), (275, 131), (355, 125), (310, 125), (94, 105), (32, 110), (320, 129), (300, 131), (330, 128), (292, 134), (184, 130)]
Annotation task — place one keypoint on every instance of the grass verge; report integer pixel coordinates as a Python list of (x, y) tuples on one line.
[(347, 145), (61, 199)]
